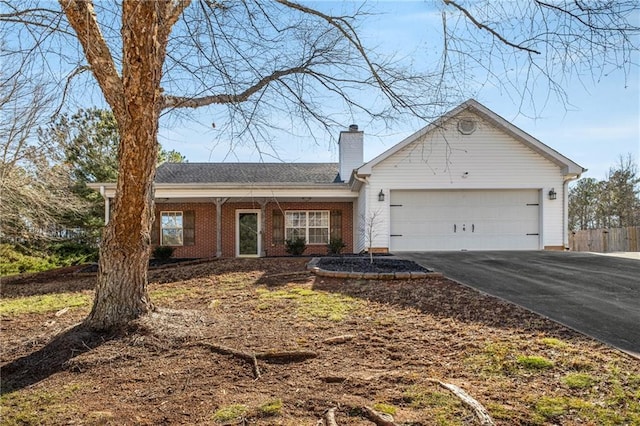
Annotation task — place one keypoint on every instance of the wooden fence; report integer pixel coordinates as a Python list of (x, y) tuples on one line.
[(606, 240)]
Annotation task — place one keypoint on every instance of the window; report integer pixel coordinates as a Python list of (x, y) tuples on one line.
[(177, 228), (171, 229), (313, 226)]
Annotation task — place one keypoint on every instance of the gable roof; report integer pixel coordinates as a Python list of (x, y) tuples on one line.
[(569, 168), (243, 173)]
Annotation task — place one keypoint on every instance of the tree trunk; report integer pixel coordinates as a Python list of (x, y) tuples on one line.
[(121, 290)]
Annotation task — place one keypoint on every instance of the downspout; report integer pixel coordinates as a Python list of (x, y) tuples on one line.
[(355, 176)]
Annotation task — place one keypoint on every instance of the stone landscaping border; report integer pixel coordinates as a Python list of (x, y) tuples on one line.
[(413, 275)]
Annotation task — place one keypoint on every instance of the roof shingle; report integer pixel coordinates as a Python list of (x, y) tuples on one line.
[(307, 173)]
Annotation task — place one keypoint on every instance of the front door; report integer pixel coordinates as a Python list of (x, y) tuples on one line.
[(248, 233)]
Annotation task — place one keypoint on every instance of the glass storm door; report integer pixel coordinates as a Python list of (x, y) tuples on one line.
[(248, 233)]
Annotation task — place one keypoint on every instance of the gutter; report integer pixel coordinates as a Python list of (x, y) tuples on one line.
[(226, 185), (356, 182)]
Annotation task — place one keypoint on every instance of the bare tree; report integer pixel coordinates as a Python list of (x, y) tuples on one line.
[(256, 60), (369, 228), (36, 197)]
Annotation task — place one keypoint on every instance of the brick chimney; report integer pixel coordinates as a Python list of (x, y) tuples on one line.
[(350, 154)]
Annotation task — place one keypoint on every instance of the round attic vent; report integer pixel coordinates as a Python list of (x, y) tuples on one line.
[(466, 126)]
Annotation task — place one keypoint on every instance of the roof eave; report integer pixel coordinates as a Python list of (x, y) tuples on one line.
[(227, 185)]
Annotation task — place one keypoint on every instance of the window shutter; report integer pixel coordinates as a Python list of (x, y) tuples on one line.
[(189, 227), (336, 224), (155, 230), (277, 234)]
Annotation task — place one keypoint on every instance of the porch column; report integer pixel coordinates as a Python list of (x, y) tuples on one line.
[(263, 226), (107, 204), (219, 202)]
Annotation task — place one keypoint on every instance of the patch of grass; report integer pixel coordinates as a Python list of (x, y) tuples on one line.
[(579, 364), (550, 408), (271, 408), (495, 359), (385, 408), (312, 304), (552, 342), (499, 411), (42, 303), (578, 380), (238, 280), (230, 412), (38, 406), (534, 362), (444, 408), (172, 293)]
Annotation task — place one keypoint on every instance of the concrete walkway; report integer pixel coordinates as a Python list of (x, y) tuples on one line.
[(596, 295)]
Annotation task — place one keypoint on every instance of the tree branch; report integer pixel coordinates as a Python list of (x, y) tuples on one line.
[(82, 17), (488, 29), (184, 102), (172, 14), (350, 34)]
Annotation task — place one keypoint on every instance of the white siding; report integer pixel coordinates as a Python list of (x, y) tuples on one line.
[(485, 159)]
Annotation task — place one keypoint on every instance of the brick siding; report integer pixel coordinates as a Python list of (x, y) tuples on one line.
[(205, 241), (205, 221)]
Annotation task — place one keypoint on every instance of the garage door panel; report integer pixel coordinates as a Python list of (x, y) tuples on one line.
[(458, 220)]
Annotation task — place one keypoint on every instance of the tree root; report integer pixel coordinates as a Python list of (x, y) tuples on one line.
[(338, 339), (330, 417), (279, 357), (380, 419), (283, 357), (383, 419), (478, 409)]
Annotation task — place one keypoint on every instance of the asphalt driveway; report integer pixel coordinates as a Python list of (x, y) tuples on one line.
[(595, 295)]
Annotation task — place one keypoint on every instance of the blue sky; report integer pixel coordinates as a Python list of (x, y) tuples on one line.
[(601, 122)]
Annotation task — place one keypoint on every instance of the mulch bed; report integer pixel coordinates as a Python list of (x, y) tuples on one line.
[(364, 264)]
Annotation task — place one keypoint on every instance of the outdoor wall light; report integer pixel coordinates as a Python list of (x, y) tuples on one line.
[(552, 194), (381, 196)]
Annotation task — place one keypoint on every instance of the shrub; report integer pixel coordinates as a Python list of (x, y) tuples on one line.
[(68, 253), (295, 246), (335, 246), (163, 252), (14, 260)]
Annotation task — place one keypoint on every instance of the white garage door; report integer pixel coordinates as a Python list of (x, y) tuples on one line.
[(465, 220)]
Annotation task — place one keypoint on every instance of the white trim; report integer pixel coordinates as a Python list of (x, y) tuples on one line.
[(307, 226), (259, 229), (212, 191), (175, 212)]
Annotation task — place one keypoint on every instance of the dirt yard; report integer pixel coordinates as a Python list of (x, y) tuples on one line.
[(263, 342)]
